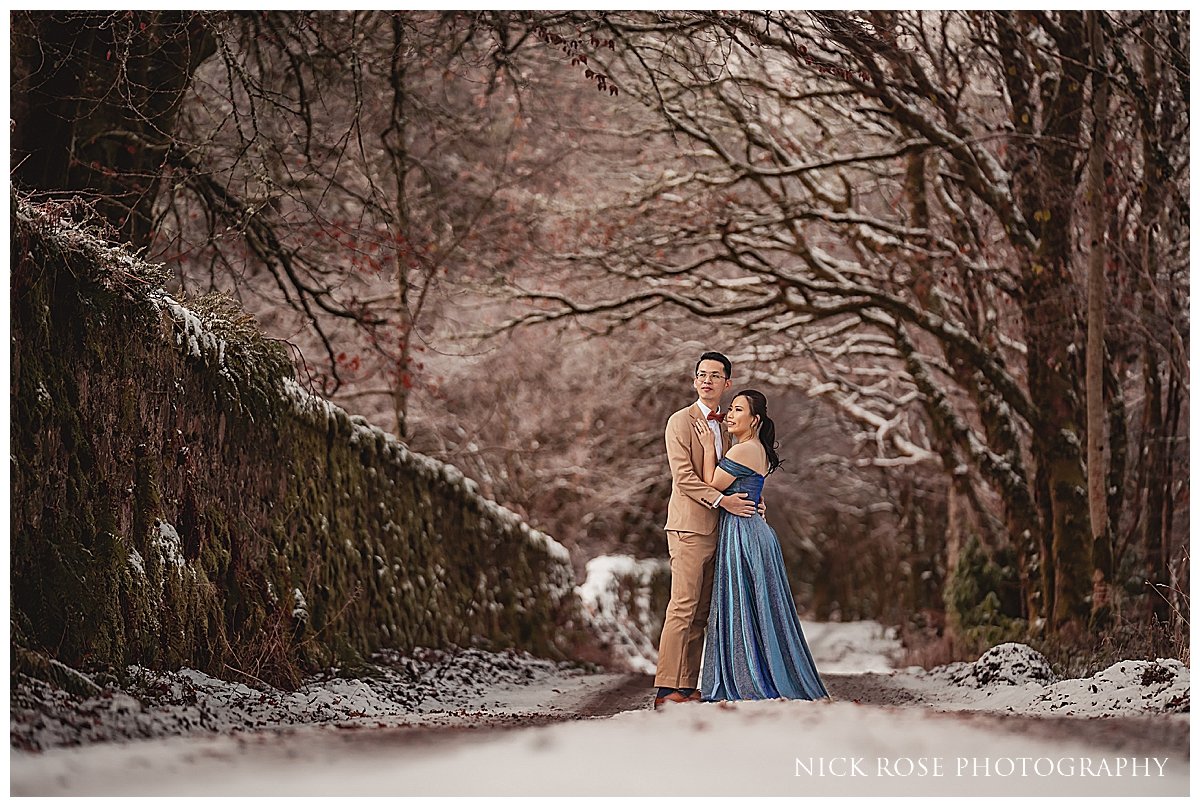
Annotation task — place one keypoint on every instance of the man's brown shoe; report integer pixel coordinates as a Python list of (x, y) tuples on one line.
[(671, 697), (695, 696)]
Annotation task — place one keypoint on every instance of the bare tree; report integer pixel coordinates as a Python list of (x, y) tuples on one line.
[(899, 208), (1096, 409), (883, 210), (96, 98)]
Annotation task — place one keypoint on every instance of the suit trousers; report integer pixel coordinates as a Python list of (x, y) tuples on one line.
[(681, 646)]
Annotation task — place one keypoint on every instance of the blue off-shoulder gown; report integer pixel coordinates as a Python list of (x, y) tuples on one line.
[(754, 648)]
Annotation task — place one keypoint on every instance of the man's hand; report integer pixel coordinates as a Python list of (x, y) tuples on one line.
[(738, 504), (762, 509)]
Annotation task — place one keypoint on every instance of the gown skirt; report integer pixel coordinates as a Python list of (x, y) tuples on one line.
[(754, 646)]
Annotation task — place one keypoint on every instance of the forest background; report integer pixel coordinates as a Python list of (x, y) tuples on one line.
[(951, 247)]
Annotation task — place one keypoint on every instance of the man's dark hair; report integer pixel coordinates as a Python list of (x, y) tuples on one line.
[(714, 356)]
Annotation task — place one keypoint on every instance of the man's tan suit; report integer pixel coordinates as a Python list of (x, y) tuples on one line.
[(692, 543)]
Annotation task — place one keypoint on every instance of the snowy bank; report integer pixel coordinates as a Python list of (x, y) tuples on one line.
[(619, 601), (393, 689), (1015, 678), (852, 647)]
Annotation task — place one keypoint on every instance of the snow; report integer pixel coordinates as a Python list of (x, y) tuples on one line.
[(851, 647), (200, 341), (1010, 663), (300, 611), (400, 688), (750, 749), (135, 562), (1015, 678), (308, 404), (169, 544), (80, 235), (187, 733), (626, 630)]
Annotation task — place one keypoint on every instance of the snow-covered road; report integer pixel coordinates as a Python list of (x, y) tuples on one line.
[(752, 749), (996, 727)]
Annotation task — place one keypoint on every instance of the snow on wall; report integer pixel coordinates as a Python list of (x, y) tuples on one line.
[(362, 431), (199, 339)]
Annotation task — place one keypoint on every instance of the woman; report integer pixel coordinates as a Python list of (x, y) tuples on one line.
[(754, 648)]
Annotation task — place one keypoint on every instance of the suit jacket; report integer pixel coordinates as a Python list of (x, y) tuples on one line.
[(691, 506)]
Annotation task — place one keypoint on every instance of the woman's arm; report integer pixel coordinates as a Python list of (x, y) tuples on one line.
[(712, 476), (679, 457)]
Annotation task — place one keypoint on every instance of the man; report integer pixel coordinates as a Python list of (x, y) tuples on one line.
[(692, 533)]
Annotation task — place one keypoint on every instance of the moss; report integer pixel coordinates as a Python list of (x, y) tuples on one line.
[(36, 665)]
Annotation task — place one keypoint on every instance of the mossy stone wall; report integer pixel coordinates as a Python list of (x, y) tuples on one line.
[(178, 499)]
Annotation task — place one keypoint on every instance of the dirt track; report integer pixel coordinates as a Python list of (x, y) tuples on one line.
[(1128, 735), (1147, 735), (619, 693)]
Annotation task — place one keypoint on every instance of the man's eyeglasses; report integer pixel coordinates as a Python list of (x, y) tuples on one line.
[(710, 376)]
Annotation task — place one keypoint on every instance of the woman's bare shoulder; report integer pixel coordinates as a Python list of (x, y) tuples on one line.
[(749, 454)]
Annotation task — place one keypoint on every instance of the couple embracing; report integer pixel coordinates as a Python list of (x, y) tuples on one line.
[(731, 606)]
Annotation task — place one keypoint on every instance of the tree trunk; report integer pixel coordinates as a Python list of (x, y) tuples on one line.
[(395, 140), (1154, 441), (1097, 499), (96, 97), (1050, 309), (1021, 523)]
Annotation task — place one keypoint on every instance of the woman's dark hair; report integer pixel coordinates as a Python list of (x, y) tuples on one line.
[(766, 428), (714, 356)]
